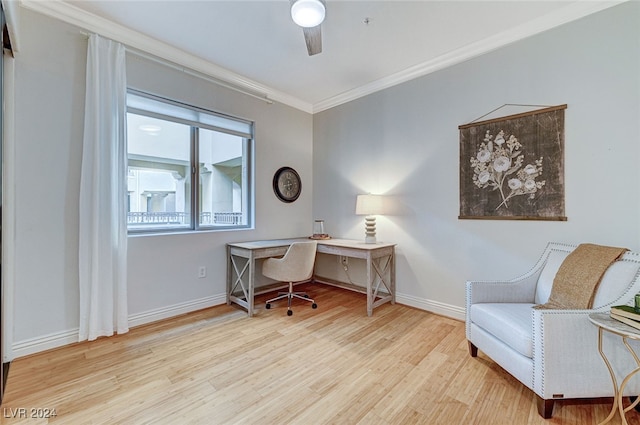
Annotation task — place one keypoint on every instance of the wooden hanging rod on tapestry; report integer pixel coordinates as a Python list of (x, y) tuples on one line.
[(510, 117), (514, 217)]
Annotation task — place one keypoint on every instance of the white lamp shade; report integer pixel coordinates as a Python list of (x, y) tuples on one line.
[(307, 13), (368, 205)]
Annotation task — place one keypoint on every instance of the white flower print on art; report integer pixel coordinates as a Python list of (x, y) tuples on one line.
[(498, 166)]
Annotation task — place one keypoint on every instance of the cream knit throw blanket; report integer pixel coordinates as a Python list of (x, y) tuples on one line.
[(579, 275)]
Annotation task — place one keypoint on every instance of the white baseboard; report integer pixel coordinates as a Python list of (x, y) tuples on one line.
[(59, 339), (43, 343), (175, 310), (436, 307)]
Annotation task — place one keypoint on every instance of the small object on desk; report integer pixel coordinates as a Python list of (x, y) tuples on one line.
[(318, 231)]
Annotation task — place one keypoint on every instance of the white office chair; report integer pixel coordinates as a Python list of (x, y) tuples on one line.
[(296, 266)]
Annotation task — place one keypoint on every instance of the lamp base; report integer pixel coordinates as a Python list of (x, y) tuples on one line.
[(370, 229)]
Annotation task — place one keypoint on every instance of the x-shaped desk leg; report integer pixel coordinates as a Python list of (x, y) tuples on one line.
[(379, 277), (239, 276), (246, 286), (376, 273)]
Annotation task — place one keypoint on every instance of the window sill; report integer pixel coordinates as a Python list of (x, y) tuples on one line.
[(166, 232)]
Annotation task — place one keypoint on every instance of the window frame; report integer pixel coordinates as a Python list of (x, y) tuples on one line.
[(248, 148)]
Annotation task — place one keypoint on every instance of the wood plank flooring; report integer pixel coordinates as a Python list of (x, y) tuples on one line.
[(332, 365)]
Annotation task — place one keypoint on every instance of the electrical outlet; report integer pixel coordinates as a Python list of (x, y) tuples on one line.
[(344, 260), (202, 272)]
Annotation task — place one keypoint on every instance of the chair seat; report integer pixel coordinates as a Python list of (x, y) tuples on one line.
[(510, 323)]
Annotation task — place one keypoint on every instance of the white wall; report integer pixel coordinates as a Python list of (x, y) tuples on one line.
[(404, 142), (163, 270)]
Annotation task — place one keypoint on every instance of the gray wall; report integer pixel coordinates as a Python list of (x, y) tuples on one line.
[(404, 142), (163, 270)]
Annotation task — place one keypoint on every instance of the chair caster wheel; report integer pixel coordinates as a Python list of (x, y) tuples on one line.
[(314, 305), (306, 295), (289, 312), (268, 306)]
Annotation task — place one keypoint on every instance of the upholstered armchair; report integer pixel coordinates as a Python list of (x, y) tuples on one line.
[(553, 352)]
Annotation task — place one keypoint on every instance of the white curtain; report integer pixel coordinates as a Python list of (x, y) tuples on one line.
[(103, 189)]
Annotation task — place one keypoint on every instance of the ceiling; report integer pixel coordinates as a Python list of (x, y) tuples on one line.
[(367, 45)]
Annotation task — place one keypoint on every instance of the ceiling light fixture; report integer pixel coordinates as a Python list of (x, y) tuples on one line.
[(307, 13)]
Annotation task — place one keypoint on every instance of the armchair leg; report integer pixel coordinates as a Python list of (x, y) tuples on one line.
[(473, 350), (545, 407)]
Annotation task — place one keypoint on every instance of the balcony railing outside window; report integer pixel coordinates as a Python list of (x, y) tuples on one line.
[(181, 218), (229, 218)]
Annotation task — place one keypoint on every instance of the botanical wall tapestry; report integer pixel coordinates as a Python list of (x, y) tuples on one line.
[(512, 168)]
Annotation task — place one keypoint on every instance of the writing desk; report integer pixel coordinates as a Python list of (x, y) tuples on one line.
[(380, 257)]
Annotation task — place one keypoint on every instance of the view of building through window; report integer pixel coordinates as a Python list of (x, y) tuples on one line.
[(165, 157), (159, 183), (221, 174)]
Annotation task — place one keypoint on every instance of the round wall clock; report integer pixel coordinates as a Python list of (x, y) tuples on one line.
[(286, 184)]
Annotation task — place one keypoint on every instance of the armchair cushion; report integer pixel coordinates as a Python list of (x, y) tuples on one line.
[(510, 323), (614, 282), (548, 273)]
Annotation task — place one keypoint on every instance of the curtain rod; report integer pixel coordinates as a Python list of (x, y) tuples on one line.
[(165, 62)]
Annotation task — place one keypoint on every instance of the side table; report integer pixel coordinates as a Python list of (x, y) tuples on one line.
[(605, 323)]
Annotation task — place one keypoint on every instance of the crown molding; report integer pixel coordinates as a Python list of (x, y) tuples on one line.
[(92, 23), (571, 12), (12, 17), (71, 14)]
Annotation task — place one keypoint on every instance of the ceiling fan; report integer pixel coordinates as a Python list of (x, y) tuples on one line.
[(309, 14)]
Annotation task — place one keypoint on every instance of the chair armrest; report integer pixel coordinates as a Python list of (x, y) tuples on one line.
[(519, 290), (523, 288)]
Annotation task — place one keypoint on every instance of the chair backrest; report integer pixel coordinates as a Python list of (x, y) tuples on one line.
[(619, 281), (296, 265)]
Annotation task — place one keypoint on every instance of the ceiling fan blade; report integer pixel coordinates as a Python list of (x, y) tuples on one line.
[(313, 38)]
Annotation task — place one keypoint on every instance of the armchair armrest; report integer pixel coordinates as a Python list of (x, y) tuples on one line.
[(519, 290), (567, 363)]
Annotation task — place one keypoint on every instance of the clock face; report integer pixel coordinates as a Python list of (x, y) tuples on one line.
[(287, 184)]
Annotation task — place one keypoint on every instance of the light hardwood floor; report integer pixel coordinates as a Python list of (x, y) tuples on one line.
[(333, 365)]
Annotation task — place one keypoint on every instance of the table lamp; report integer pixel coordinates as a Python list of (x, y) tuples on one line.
[(369, 206)]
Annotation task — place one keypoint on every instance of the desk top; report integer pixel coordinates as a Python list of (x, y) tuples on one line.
[(344, 243)]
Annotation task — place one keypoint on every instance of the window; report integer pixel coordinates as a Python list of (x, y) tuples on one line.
[(189, 169)]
